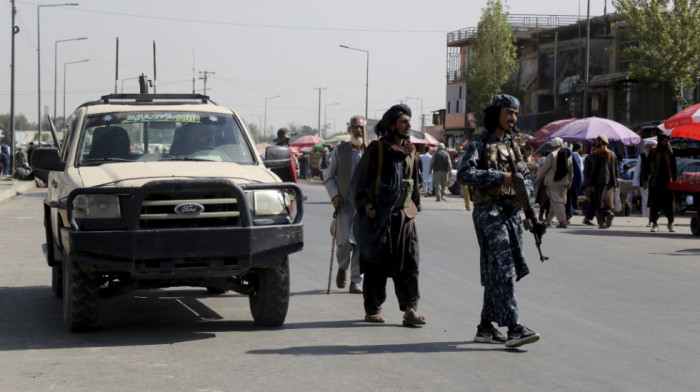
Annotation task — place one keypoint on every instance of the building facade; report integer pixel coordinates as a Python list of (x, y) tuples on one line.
[(551, 74)]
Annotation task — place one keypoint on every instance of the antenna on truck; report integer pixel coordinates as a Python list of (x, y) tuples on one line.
[(116, 74), (155, 78)]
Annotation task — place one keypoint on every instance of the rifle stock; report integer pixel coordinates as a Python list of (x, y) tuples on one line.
[(530, 222)]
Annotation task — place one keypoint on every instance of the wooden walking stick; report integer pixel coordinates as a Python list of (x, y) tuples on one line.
[(330, 272)]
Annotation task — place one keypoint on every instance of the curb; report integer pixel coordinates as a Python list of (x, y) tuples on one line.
[(14, 188)]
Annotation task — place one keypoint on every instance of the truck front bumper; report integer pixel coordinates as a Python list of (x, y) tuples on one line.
[(250, 241)]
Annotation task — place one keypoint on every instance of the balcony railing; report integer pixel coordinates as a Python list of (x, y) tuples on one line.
[(520, 21)]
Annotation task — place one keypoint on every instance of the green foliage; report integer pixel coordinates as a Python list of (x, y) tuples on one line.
[(21, 123), (668, 41), (254, 130), (494, 60)]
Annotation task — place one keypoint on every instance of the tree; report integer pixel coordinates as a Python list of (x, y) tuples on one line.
[(254, 131), (668, 48), (495, 57), (21, 123)]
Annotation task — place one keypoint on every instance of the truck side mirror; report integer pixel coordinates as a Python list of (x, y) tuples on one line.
[(47, 159)]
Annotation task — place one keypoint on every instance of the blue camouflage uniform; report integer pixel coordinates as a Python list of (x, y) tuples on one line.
[(498, 225)]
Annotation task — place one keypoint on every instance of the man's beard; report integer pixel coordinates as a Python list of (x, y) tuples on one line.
[(401, 136)]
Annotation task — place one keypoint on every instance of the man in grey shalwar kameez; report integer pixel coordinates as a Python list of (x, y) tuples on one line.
[(485, 167), (337, 179)]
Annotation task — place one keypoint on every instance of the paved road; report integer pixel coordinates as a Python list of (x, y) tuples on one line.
[(617, 310)]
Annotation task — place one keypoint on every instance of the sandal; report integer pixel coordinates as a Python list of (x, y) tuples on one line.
[(374, 318), (411, 319)]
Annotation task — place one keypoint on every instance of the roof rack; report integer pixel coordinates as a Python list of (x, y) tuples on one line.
[(153, 97)]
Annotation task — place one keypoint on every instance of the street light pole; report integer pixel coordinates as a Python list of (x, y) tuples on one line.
[(265, 121), (55, 74), (15, 31), (64, 89), (38, 58), (588, 52), (325, 117), (366, 76), (422, 119)]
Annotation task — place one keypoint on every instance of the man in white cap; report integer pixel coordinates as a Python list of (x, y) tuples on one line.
[(557, 173), (337, 178)]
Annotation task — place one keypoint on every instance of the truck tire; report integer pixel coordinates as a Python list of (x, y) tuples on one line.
[(57, 281), (269, 297), (81, 298), (695, 224)]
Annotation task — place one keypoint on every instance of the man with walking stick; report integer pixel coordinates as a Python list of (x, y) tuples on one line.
[(337, 179)]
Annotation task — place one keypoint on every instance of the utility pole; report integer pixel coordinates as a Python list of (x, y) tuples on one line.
[(319, 108), (588, 51), (205, 77), (15, 30)]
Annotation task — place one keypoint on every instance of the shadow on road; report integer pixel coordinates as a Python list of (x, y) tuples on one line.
[(32, 318), (621, 233), (428, 347)]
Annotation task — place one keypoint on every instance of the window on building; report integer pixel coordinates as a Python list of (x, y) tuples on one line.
[(449, 109)]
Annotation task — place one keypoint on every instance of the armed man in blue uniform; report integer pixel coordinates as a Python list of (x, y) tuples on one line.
[(487, 167)]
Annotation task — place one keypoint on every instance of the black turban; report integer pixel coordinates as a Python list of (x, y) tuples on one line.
[(390, 117)]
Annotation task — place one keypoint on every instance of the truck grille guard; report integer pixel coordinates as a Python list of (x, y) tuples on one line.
[(225, 203)]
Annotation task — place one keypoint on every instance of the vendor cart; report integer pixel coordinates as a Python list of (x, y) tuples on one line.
[(694, 190)]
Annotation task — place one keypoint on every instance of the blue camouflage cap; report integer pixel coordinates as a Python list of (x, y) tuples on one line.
[(505, 101)]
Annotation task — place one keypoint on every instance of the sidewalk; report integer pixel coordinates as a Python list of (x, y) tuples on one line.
[(10, 188)]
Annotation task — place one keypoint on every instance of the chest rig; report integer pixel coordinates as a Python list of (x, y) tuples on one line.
[(494, 157)]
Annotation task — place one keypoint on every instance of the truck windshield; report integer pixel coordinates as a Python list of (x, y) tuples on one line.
[(162, 136)]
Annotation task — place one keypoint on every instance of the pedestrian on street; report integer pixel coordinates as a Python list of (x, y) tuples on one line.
[(5, 158), (602, 181), (575, 189), (486, 168), (638, 180), (557, 173), (465, 190), (387, 199), (427, 175), (590, 208), (441, 168), (337, 178), (661, 170), (304, 166)]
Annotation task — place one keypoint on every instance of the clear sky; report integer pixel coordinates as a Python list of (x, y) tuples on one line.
[(255, 49)]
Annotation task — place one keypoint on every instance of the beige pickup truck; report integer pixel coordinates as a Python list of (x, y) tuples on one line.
[(152, 191)]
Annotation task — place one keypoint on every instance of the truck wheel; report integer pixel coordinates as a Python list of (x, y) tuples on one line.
[(81, 298), (57, 281), (695, 224), (50, 255), (269, 298)]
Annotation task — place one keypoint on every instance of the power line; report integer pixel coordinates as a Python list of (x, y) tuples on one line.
[(262, 26)]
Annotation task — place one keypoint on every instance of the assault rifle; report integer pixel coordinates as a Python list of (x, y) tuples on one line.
[(530, 223)]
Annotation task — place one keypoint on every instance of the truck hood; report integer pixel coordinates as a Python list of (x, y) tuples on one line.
[(135, 174)]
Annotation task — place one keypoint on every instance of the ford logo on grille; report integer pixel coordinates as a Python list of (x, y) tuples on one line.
[(189, 209)]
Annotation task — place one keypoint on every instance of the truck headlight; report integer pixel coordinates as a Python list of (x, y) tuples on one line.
[(271, 202), (96, 207)]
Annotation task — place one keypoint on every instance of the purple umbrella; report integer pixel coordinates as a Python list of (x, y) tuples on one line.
[(588, 129)]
